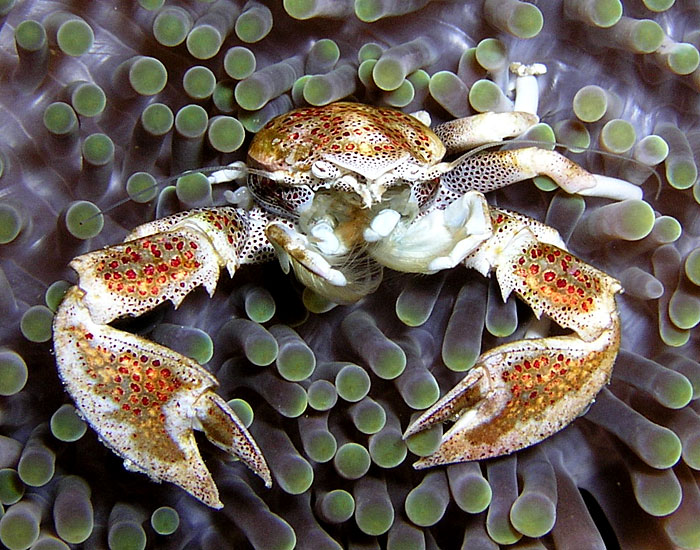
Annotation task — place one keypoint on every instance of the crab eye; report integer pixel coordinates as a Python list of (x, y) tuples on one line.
[(410, 172), (324, 170)]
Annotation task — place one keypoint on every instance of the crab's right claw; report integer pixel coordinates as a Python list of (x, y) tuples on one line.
[(144, 399)]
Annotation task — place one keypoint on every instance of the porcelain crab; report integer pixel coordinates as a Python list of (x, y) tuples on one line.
[(337, 193)]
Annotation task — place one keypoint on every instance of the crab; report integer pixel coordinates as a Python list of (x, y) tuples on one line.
[(337, 193)]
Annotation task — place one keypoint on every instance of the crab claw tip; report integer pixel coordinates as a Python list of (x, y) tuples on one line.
[(225, 430)]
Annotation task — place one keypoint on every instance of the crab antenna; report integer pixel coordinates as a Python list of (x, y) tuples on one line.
[(215, 174), (236, 170)]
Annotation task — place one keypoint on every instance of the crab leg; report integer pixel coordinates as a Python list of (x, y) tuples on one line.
[(142, 398), (490, 170), (466, 133), (524, 391)]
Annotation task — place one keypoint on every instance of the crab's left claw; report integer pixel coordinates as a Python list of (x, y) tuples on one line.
[(521, 392), (517, 395)]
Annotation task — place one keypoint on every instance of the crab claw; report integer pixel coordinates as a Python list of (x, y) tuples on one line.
[(144, 400), (519, 394)]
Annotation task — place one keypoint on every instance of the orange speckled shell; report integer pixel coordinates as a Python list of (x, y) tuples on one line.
[(372, 135)]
